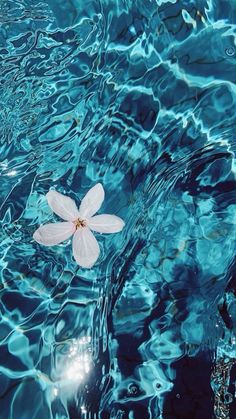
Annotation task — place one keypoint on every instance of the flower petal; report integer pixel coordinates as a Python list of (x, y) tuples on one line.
[(92, 201), (54, 233), (62, 205), (85, 248), (106, 223)]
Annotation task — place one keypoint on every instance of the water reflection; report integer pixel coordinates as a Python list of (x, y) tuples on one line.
[(74, 366)]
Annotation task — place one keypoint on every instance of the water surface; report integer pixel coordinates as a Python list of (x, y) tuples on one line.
[(140, 96)]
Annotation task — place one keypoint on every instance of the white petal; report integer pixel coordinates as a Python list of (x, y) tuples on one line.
[(106, 223), (54, 233), (92, 201), (63, 206), (85, 247)]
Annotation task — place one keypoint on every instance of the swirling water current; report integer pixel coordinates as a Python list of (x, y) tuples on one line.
[(138, 95)]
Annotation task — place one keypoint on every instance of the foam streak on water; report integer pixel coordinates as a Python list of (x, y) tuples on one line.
[(140, 96)]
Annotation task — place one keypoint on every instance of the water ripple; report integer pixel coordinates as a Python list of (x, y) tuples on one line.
[(141, 97)]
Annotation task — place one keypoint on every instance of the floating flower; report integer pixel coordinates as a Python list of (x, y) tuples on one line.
[(79, 223)]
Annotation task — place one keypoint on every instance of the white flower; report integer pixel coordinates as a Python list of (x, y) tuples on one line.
[(79, 223)]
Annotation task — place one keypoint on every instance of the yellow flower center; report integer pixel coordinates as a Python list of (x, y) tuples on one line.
[(79, 223)]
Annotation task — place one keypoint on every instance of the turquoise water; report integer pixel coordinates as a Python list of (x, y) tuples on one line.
[(140, 96)]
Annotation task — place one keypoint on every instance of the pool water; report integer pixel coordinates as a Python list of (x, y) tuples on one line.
[(140, 96)]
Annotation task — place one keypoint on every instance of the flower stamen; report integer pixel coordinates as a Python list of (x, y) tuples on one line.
[(79, 223)]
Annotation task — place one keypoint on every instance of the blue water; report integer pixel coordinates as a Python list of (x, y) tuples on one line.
[(140, 96)]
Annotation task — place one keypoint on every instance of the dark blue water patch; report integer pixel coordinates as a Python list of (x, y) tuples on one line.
[(140, 109), (191, 395), (12, 301)]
